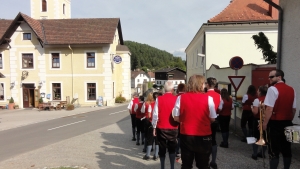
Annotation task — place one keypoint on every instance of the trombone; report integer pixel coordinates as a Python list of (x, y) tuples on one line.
[(261, 140)]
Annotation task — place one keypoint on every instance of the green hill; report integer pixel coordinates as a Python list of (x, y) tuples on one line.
[(146, 57)]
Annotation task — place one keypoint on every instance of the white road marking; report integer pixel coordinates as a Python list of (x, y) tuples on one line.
[(117, 112), (66, 125)]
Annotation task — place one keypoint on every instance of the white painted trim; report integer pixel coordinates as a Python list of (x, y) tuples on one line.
[(34, 60), (239, 32), (85, 59), (85, 91), (61, 90), (50, 60)]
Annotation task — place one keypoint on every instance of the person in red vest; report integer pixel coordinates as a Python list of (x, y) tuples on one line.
[(247, 116), (181, 89), (150, 139), (211, 82), (225, 107), (133, 113), (145, 121), (195, 111), (138, 120), (261, 93), (165, 128), (280, 104)]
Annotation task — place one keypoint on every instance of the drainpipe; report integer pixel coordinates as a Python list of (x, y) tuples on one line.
[(72, 72), (279, 40)]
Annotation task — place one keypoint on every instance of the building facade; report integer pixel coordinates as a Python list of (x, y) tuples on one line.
[(174, 74), (60, 59), (229, 33)]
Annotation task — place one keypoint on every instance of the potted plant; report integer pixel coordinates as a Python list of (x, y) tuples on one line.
[(11, 104), (41, 102), (70, 107)]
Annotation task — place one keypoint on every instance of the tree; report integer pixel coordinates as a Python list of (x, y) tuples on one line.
[(262, 43)]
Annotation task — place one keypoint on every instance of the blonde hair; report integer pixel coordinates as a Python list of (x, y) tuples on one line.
[(150, 98), (195, 84)]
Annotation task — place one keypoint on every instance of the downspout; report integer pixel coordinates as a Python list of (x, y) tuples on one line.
[(279, 40), (72, 72)]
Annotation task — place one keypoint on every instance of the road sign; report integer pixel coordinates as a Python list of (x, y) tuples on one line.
[(236, 63), (236, 81)]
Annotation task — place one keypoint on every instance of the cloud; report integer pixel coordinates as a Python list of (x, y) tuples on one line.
[(180, 52)]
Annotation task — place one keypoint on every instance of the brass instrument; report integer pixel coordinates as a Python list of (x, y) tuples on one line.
[(261, 140)]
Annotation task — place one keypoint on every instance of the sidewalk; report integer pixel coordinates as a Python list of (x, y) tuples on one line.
[(21, 117)]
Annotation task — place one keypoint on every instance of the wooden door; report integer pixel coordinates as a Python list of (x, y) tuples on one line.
[(26, 96), (36, 97)]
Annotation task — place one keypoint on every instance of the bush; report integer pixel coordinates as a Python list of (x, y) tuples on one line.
[(11, 100), (120, 99), (41, 100)]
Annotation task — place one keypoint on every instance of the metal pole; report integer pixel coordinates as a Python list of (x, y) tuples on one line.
[(235, 112)]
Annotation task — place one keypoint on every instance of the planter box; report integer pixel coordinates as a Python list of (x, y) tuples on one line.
[(11, 106)]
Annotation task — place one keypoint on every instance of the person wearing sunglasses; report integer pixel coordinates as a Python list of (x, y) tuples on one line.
[(280, 104)]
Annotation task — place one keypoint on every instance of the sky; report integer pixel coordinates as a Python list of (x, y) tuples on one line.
[(168, 25)]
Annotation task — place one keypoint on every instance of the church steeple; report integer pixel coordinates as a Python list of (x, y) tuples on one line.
[(50, 9)]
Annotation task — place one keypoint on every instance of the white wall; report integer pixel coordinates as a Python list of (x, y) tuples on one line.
[(140, 79), (290, 47)]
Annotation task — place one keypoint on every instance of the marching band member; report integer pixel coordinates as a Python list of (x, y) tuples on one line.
[(211, 83), (261, 93), (225, 108), (165, 128), (280, 104), (133, 113), (195, 111), (139, 124), (181, 89)]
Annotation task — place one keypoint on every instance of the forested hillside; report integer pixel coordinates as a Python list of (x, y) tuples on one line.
[(146, 57)]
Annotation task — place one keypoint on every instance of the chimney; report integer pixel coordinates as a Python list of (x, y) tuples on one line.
[(273, 12)]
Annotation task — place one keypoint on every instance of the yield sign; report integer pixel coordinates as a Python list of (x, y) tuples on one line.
[(236, 81)]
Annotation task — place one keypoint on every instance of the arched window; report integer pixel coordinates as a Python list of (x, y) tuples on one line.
[(64, 8), (44, 5)]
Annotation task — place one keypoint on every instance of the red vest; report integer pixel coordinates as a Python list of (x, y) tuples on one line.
[(166, 104), (134, 101), (216, 97), (248, 102), (227, 106), (260, 99), (139, 114), (152, 107), (194, 114), (283, 108)]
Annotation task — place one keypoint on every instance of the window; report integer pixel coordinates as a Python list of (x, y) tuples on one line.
[(90, 60), (27, 61), (1, 91), (170, 76), (1, 63), (56, 87), (55, 60), (26, 36), (138, 80), (64, 8), (44, 6), (91, 91)]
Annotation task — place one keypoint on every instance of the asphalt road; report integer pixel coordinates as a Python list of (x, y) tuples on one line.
[(24, 139)]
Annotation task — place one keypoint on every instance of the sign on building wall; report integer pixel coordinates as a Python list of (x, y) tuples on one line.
[(117, 59)]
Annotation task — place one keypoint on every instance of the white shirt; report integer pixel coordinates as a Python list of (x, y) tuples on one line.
[(211, 105), (255, 103), (155, 114), (222, 103), (245, 98), (272, 95), (130, 104)]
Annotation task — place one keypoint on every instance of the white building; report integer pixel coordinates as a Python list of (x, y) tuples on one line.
[(138, 77), (229, 33)]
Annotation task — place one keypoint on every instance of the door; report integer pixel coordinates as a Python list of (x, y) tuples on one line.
[(36, 97), (26, 96)]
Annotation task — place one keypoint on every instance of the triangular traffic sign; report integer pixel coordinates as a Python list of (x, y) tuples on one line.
[(236, 81)]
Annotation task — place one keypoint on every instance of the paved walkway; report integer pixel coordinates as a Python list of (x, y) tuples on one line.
[(110, 147)]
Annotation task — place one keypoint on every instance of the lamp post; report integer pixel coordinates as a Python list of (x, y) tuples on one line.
[(203, 57)]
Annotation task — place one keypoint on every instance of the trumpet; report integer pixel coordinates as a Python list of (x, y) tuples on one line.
[(261, 140)]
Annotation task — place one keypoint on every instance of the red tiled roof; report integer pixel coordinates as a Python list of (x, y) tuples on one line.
[(4, 24), (134, 74), (69, 31), (151, 74), (245, 10)]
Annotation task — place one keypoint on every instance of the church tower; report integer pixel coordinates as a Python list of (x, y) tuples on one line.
[(50, 9)]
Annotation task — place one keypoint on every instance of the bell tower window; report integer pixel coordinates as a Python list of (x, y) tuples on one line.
[(44, 6), (64, 6)]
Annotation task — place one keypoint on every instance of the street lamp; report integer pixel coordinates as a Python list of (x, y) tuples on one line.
[(203, 57)]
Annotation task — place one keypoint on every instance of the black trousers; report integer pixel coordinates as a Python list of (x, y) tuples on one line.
[(139, 125), (196, 148), (276, 139), (167, 139), (133, 124), (224, 122), (214, 127), (247, 117), (149, 134)]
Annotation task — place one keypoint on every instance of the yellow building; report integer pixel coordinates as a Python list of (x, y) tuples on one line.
[(81, 59)]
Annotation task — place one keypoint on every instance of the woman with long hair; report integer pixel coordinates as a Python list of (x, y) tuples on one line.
[(247, 116), (195, 111), (225, 108)]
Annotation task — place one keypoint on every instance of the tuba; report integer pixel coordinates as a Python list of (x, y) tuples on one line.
[(261, 140)]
